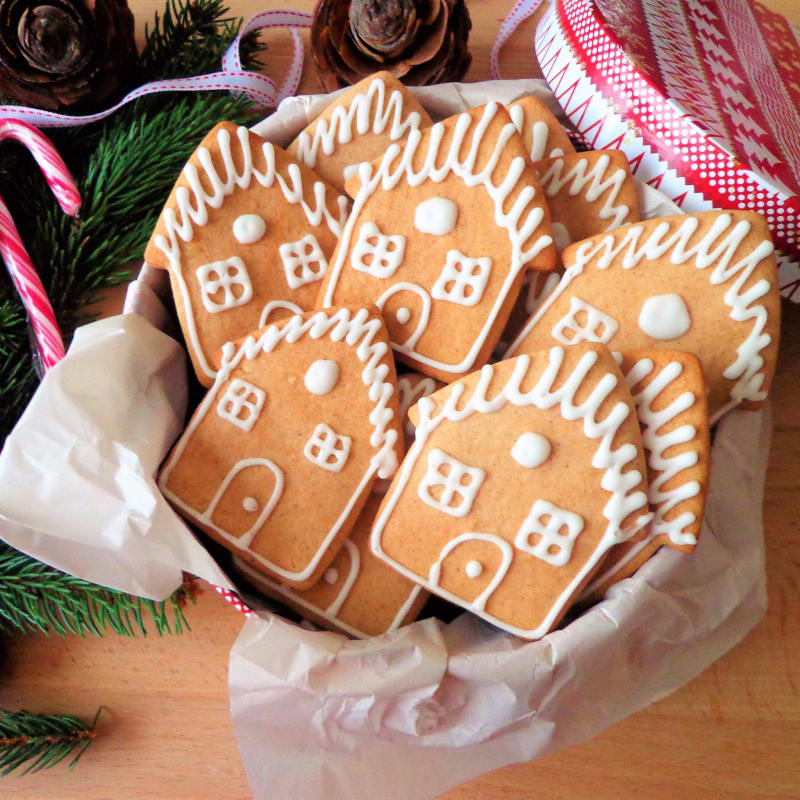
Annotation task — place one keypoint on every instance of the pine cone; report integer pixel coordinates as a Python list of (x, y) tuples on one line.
[(418, 41), (59, 54)]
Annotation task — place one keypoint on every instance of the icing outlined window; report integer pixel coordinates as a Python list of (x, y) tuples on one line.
[(303, 261), (450, 485), (554, 530), (463, 279), (241, 404), (224, 285), (377, 254), (327, 449), (584, 323)]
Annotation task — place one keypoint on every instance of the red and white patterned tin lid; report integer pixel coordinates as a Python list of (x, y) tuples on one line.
[(703, 96)]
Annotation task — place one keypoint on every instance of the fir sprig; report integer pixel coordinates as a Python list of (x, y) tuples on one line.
[(41, 740), (37, 597), (124, 168)]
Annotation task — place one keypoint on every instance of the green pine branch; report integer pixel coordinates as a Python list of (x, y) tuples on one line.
[(41, 740), (37, 597), (125, 168)]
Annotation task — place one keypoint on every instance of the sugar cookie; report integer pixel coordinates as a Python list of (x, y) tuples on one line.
[(275, 469), (246, 235), (669, 393), (702, 283), (358, 126), (533, 468), (445, 297)]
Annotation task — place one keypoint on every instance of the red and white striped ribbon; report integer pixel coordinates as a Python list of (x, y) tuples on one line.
[(521, 11), (261, 89), (20, 267)]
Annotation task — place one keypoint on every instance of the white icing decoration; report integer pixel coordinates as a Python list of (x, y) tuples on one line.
[(665, 316), (249, 228), (250, 504), (474, 569), (376, 254), (717, 248), (598, 326), (422, 322), (459, 157), (370, 111), (224, 276), (274, 305), (241, 404), (478, 605), (459, 485), (194, 201), (322, 376), (618, 478), (540, 132), (303, 261), (546, 521), (436, 215), (256, 577), (327, 449), (331, 575), (403, 315), (663, 468), (360, 332), (531, 450), (247, 537), (561, 236), (463, 279), (409, 393), (592, 183)]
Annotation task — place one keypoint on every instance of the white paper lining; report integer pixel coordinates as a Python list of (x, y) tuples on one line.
[(422, 709)]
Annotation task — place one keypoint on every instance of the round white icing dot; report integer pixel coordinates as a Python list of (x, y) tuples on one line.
[(250, 504), (249, 228), (665, 316), (321, 376), (331, 575), (474, 568), (403, 315), (561, 237), (530, 450), (436, 215)]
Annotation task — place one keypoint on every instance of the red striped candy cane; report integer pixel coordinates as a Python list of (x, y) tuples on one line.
[(20, 267)]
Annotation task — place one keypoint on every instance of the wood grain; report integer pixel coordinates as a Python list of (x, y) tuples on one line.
[(733, 732)]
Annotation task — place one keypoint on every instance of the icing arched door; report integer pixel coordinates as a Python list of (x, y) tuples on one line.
[(406, 309), (245, 498)]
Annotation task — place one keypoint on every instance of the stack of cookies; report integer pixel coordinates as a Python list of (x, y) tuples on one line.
[(450, 358)]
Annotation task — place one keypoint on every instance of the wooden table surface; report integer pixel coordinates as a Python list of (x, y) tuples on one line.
[(733, 732)]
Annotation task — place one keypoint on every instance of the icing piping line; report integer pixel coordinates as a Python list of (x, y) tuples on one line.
[(579, 177), (457, 407)]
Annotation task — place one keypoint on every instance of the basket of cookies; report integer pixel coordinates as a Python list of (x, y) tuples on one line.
[(476, 427)]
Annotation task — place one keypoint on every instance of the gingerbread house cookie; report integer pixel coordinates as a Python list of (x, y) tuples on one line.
[(358, 595), (542, 133), (281, 454), (441, 233), (669, 394), (246, 235), (702, 283), (520, 479), (358, 126), (588, 193)]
